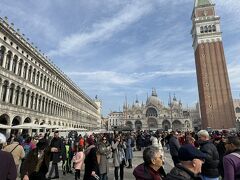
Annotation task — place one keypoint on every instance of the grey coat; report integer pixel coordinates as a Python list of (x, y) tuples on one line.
[(118, 153), (104, 152), (174, 146), (129, 151)]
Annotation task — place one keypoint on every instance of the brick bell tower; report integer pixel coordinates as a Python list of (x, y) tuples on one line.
[(215, 96)]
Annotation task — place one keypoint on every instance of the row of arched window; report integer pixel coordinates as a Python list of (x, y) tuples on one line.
[(25, 70), (207, 29), (237, 109), (19, 96)]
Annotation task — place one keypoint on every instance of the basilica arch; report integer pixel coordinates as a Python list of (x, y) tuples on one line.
[(176, 125), (129, 124), (166, 125), (138, 125), (152, 123), (151, 112)]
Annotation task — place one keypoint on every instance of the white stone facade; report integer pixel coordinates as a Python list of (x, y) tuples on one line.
[(34, 90), (154, 115), (115, 120)]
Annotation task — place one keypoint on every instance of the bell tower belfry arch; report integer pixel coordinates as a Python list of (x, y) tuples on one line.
[(215, 96)]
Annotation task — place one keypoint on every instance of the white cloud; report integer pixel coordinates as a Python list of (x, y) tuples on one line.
[(104, 29), (110, 77)]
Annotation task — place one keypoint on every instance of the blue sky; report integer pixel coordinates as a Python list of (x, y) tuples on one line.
[(118, 48)]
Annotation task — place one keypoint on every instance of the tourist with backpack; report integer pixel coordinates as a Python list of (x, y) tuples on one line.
[(16, 150), (27, 146)]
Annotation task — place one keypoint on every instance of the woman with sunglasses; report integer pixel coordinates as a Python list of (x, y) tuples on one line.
[(119, 158), (104, 150)]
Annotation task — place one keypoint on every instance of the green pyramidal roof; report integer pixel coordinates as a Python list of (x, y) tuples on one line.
[(203, 2)]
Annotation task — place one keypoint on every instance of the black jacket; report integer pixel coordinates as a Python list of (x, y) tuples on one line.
[(91, 164), (57, 143), (174, 146), (210, 167), (181, 173), (7, 166)]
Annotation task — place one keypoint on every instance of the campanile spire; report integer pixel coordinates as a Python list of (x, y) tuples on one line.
[(213, 83)]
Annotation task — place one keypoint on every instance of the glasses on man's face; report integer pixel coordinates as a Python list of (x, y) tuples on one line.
[(104, 139)]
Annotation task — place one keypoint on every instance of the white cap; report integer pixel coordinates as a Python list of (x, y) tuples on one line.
[(2, 139)]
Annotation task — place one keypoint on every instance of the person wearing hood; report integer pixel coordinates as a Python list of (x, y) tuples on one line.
[(151, 168), (91, 164), (189, 168)]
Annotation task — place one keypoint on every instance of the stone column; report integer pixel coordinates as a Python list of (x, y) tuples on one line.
[(31, 75), (39, 105), (29, 101), (7, 95), (13, 98), (36, 104), (11, 63), (16, 71), (27, 73), (22, 69), (24, 99), (1, 84), (4, 59)]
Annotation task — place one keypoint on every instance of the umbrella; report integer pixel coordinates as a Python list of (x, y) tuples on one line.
[(2, 126), (27, 126)]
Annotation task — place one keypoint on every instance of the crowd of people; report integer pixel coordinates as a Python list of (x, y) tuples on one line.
[(38, 157), (200, 156)]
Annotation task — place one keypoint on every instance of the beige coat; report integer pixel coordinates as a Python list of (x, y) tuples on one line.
[(18, 153)]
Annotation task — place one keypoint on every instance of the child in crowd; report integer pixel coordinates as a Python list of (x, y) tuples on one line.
[(78, 160)]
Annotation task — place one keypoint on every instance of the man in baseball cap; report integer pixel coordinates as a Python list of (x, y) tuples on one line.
[(189, 168)]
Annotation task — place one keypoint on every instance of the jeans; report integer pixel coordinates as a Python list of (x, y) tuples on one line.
[(54, 167), (121, 171), (207, 178), (103, 176)]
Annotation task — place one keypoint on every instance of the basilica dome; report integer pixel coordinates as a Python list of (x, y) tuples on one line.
[(153, 99)]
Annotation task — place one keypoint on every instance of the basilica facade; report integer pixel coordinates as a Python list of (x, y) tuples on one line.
[(153, 115), (34, 90)]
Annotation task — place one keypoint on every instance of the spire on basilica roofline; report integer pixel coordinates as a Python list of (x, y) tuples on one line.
[(174, 97), (154, 92), (170, 100), (136, 99)]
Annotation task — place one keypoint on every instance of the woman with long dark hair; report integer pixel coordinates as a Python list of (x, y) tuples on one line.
[(91, 164)]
